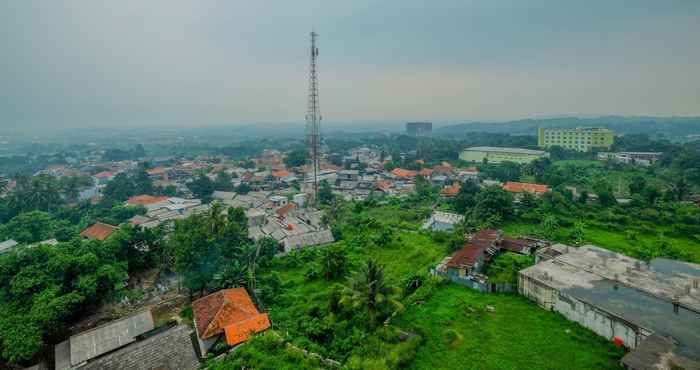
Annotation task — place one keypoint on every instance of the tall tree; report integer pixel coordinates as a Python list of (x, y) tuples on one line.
[(369, 291)]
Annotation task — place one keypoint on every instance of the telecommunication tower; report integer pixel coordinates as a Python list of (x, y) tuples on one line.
[(313, 120)]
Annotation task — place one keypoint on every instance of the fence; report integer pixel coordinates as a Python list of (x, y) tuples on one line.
[(485, 287)]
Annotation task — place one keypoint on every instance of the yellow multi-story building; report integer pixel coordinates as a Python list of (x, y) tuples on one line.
[(580, 139)]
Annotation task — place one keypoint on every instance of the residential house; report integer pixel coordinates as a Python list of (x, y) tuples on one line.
[(99, 231), (7, 245), (442, 221), (468, 174), (523, 187), (450, 191), (403, 174), (348, 175), (132, 342), (229, 315), (102, 178)]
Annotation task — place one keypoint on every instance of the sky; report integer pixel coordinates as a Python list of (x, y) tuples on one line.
[(86, 63)]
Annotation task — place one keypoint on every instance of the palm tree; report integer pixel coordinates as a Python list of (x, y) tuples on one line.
[(368, 290)]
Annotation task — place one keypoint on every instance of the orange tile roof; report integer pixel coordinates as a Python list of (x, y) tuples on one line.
[(519, 187), (384, 184), (103, 175), (426, 172), (99, 231), (156, 171), (400, 172), (241, 331), (281, 173), (450, 191), (282, 211), (229, 310), (142, 200)]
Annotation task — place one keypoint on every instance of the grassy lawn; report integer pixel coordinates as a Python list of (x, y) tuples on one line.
[(458, 331), (461, 334), (614, 240)]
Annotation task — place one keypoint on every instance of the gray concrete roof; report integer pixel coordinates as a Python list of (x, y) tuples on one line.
[(98, 341), (639, 293), (7, 245), (171, 349)]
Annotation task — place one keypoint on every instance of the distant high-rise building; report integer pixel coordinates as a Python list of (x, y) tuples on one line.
[(419, 128), (579, 139)]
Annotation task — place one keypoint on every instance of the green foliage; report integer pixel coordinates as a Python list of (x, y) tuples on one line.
[(368, 290), (223, 182), (31, 227), (201, 187), (505, 267), (325, 194), (466, 197), (334, 262), (43, 287), (295, 158)]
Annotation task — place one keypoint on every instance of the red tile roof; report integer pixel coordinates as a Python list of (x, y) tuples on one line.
[(384, 185), (515, 245), (426, 172), (520, 187), (450, 191), (156, 171), (400, 172), (99, 231), (281, 173), (103, 175), (241, 331), (142, 200), (229, 311), (282, 211), (478, 243)]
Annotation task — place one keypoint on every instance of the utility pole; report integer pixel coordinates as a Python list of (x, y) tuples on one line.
[(313, 120)]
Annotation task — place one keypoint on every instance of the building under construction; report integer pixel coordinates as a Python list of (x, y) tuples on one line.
[(651, 307)]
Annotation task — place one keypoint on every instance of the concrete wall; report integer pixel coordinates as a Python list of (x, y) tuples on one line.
[(602, 323)]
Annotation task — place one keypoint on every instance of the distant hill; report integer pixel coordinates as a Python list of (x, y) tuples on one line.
[(667, 126)]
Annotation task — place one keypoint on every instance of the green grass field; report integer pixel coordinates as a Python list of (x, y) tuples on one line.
[(614, 240), (456, 329), (460, 333)]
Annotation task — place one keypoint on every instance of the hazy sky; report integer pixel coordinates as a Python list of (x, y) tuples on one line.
[(190, 63)]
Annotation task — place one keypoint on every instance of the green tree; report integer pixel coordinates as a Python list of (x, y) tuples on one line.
[(223, 182), (295, 158), (120, 188), (333, 261), (325, 194), (466, 197), (201, 187), (369, 291), (492, 200), (549, 226), (637, 184)]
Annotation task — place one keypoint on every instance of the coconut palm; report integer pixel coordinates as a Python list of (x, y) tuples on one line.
[(369, 291)]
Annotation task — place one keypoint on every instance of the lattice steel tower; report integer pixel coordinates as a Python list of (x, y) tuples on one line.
[(313, 119)]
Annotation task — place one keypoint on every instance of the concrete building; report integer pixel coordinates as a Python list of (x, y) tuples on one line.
[(640, 158), (442, 221), (579, 139), (419, 128), (487, 154), (622, 299)]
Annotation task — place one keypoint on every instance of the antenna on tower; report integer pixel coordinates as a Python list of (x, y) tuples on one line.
[(313, 119)]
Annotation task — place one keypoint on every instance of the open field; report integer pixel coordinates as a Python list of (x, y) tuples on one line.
[(616, 241), (460, 333)]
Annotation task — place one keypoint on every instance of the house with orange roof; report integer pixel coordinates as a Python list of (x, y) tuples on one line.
[(523, 187), (229, 315), (158, 173), (99, 231), (450, 191), (403, 174), (426, 172), (145, 200)]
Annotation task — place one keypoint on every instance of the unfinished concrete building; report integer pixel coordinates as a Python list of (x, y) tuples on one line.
[(633, 303)]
